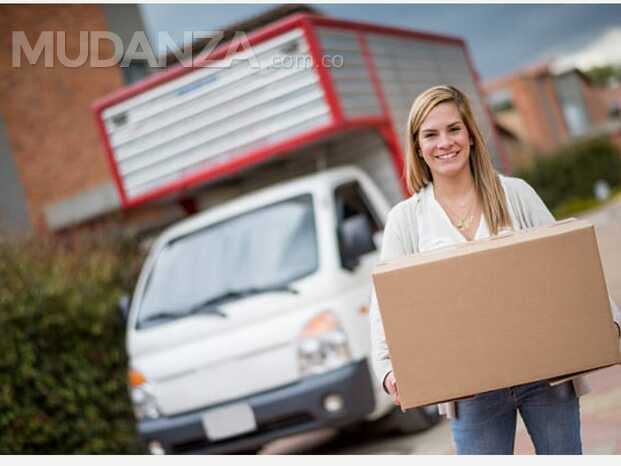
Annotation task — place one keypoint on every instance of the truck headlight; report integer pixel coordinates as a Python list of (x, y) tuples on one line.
[(323, 345), (143, 400)]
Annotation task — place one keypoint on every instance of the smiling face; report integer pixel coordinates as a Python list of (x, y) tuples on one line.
[(444, 141)]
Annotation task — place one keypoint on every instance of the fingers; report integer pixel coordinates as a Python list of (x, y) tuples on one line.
[(393, 390)]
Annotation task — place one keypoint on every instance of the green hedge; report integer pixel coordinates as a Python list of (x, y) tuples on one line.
[(63, 366), (568, 175)]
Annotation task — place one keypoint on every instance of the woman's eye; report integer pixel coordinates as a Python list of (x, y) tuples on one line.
[(453, 130)]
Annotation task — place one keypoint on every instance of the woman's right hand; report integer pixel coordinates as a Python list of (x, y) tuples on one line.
[(391, 385)]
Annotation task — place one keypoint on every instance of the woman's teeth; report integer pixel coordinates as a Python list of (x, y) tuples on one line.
[(446, 156)]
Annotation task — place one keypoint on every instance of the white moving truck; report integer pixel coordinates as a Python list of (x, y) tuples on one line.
[(249, 320)]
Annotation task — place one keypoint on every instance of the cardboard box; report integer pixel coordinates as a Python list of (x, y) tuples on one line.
[(490, 314)]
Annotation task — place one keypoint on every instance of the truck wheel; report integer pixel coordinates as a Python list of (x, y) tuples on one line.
[(412, 421)]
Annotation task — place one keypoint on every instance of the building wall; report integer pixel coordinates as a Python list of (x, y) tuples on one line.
[(49, 124), (551, 108), (608, 98), (545, 104), (520, 155), (532, 115)]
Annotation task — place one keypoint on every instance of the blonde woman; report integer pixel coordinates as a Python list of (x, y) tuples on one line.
[(458, 196)]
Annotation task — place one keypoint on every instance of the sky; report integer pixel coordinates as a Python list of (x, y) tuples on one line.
[(501, 38)]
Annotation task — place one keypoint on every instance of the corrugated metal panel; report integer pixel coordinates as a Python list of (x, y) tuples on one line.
[(408, 66), (211, 115), (352, 82)]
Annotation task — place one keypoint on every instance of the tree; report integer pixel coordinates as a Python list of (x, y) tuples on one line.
[(602, 75)]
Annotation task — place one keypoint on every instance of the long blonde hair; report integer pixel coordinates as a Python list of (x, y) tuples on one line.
[(486, 181)]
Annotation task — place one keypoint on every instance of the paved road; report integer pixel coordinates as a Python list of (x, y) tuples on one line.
[(601, 409)]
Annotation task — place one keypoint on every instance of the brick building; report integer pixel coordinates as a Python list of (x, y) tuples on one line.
[(546, 108), (53, 171)]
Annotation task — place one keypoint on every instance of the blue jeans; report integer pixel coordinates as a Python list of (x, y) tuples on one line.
[(486, 423)]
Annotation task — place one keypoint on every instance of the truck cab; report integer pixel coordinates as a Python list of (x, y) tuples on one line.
[(249, 321)]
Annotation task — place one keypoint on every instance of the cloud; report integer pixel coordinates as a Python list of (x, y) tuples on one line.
[(605, 49)]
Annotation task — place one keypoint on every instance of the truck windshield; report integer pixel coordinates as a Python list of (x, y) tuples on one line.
[(261, 250)]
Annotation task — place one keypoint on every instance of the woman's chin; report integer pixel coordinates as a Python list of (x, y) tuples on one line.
[(449, 170)]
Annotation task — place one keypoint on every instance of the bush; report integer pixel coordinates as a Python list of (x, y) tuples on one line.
[(63, 366), (574, 207), (570, 173)]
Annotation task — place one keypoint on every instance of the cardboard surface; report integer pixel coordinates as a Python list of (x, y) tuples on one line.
[(495, 313)]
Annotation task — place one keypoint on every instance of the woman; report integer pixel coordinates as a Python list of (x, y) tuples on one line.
[(458, 196)]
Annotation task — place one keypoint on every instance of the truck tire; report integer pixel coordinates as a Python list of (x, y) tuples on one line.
[(412, 421)]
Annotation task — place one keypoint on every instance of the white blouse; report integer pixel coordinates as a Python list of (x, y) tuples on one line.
[(435, 229)]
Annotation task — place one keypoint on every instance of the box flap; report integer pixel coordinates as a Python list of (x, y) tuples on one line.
[(487, 244)]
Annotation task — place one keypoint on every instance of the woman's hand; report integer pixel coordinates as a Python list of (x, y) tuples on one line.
[(391, 385)]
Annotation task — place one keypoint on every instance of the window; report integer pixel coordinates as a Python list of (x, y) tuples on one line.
[(357, 223)]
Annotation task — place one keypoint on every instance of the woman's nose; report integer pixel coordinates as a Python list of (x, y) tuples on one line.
[(444, 140)]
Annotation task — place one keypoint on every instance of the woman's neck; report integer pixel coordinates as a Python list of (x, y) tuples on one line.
[(455, 187)]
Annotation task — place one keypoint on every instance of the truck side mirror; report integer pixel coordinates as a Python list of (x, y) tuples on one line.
[(355, 239), (123, 307)]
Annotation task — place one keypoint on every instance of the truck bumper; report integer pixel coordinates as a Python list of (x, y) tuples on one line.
[(287, 410)]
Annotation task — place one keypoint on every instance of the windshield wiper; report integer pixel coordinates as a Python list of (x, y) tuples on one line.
[(177, 315), (208, 307), (242, 293)]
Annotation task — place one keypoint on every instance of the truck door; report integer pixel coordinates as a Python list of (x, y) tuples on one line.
[(357, 225)]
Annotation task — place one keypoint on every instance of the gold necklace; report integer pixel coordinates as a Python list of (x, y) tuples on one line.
[(464, 221)]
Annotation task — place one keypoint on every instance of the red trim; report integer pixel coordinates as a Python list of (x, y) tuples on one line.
[(325, 76), (257, 156), (110, 157), (388, 130), (504, 158), (374, 28)]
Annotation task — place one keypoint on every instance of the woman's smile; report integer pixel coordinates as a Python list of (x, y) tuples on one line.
[(447, 156)]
